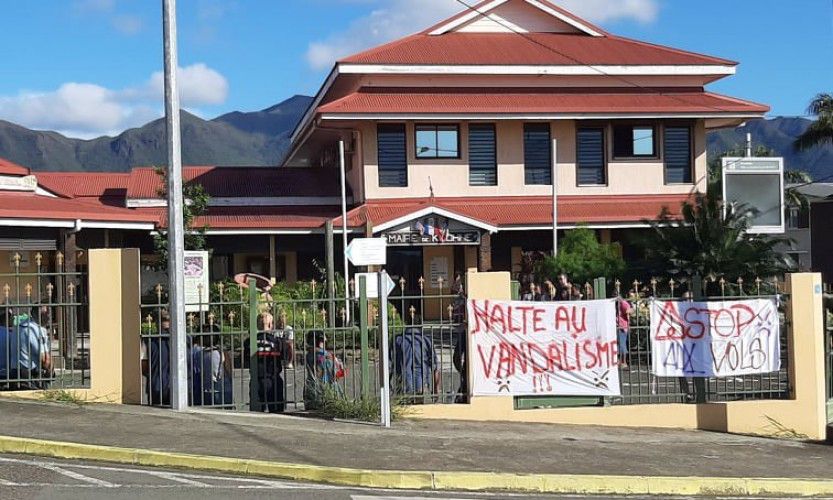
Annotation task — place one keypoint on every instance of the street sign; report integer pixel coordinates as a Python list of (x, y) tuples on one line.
[(368, 252), (372, 280)]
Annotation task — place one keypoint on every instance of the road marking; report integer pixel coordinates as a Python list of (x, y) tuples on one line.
[(367, 497), (78, 477), (3, 482), (178, 479)]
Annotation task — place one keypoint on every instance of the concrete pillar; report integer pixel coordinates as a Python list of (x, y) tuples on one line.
[(807, 352), (517, 261), (273, 271), (485, 253), (115, 343)]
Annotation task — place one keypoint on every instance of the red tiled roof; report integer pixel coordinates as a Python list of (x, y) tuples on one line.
[(9, 168), (32, 206), (506, 212), (536, 100), (243, 182), (258, 217), (85, 184), (533, 49)]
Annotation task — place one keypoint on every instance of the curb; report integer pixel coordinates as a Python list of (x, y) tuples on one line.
[(425, 480)]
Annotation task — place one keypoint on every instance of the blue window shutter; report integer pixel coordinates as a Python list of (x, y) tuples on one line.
[(590, 157), (392, 155), (537, 153), (678, 155), (482, 155)]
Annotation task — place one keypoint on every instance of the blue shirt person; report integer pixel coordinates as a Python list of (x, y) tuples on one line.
[(25, 361), (415, 361)]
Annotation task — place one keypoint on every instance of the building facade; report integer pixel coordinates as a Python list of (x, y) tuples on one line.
[(455, 141)]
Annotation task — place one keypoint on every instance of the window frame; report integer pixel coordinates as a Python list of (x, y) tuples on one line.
[(655, 126), (436, 127), (691, 153), (494, 130), (549, 150), (605, 157)]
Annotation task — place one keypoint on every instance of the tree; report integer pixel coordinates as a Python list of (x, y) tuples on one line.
[(820, 131), (583, 258), (711, 242), (196, 205)]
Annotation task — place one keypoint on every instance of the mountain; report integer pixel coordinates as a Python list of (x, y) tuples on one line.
[(259, 138), (262, 138), (778, 135)]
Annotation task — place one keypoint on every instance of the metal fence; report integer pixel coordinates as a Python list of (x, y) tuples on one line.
[(44, 321), (299, 348), (638, 383), (828, 348), (640, 386)]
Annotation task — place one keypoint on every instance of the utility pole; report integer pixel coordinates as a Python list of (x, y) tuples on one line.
[(176, 237)]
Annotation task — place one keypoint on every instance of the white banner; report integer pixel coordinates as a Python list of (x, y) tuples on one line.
[(715, 339), (544, 349)]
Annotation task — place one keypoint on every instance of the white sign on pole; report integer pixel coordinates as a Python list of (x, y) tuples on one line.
[(715, 339), (544, 349), (196, 281), (372, 287), (368, 252), (758, 184)]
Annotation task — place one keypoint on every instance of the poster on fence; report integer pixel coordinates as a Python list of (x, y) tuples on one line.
[(196, 281), (715, 339), (544, 349)]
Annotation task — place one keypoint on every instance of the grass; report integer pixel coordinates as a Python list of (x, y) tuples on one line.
[(62, 396), (334, 404)]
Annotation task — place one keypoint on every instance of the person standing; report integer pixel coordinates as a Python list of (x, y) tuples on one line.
[(623, 326), (270, 385)]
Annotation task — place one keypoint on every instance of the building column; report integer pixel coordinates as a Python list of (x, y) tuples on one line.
[(485, 253), (605, 236)]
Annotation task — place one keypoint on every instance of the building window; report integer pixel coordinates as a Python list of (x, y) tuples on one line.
[(678, 155), (537, 154), (634, 141), (590, 157), (392, 155), (437, 142), (482, 155), (798, 218)]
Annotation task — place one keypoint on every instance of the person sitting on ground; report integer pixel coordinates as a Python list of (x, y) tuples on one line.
[(25, 358)]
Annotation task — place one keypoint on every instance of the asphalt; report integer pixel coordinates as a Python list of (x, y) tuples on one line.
[(422, 445)]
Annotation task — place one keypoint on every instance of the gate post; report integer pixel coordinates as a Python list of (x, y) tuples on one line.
[(254, 398), (806, 350), (700, 387), (115, 343)]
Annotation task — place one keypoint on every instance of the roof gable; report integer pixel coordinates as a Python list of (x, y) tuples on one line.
[(519, 16)]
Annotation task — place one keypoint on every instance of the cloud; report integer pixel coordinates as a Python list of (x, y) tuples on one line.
[(127, 24), (88, 110), (397, 18)]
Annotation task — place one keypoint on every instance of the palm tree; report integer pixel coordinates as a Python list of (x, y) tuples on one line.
[(792, 196), (821, 131), (709, 241)]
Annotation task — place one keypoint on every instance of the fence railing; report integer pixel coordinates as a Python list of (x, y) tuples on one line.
[(44, 325), (638, 383)]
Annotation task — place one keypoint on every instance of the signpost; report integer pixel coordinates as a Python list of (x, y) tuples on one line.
[(385, 382), (373, 280), (367, 252)]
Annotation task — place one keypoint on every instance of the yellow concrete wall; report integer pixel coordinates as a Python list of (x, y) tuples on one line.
[(114, 302), (450, 178), (803, 416)]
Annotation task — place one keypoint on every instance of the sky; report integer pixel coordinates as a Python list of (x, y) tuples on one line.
[(93, 67)]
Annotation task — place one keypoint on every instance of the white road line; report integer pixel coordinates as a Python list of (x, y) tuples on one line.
[(3, 482), (366, 497), (78, 477), (179, 479)]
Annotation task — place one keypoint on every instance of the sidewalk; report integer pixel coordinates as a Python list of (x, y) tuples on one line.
[(422, 445)]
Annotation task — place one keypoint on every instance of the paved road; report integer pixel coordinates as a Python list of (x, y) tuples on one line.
[(28, 478)]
